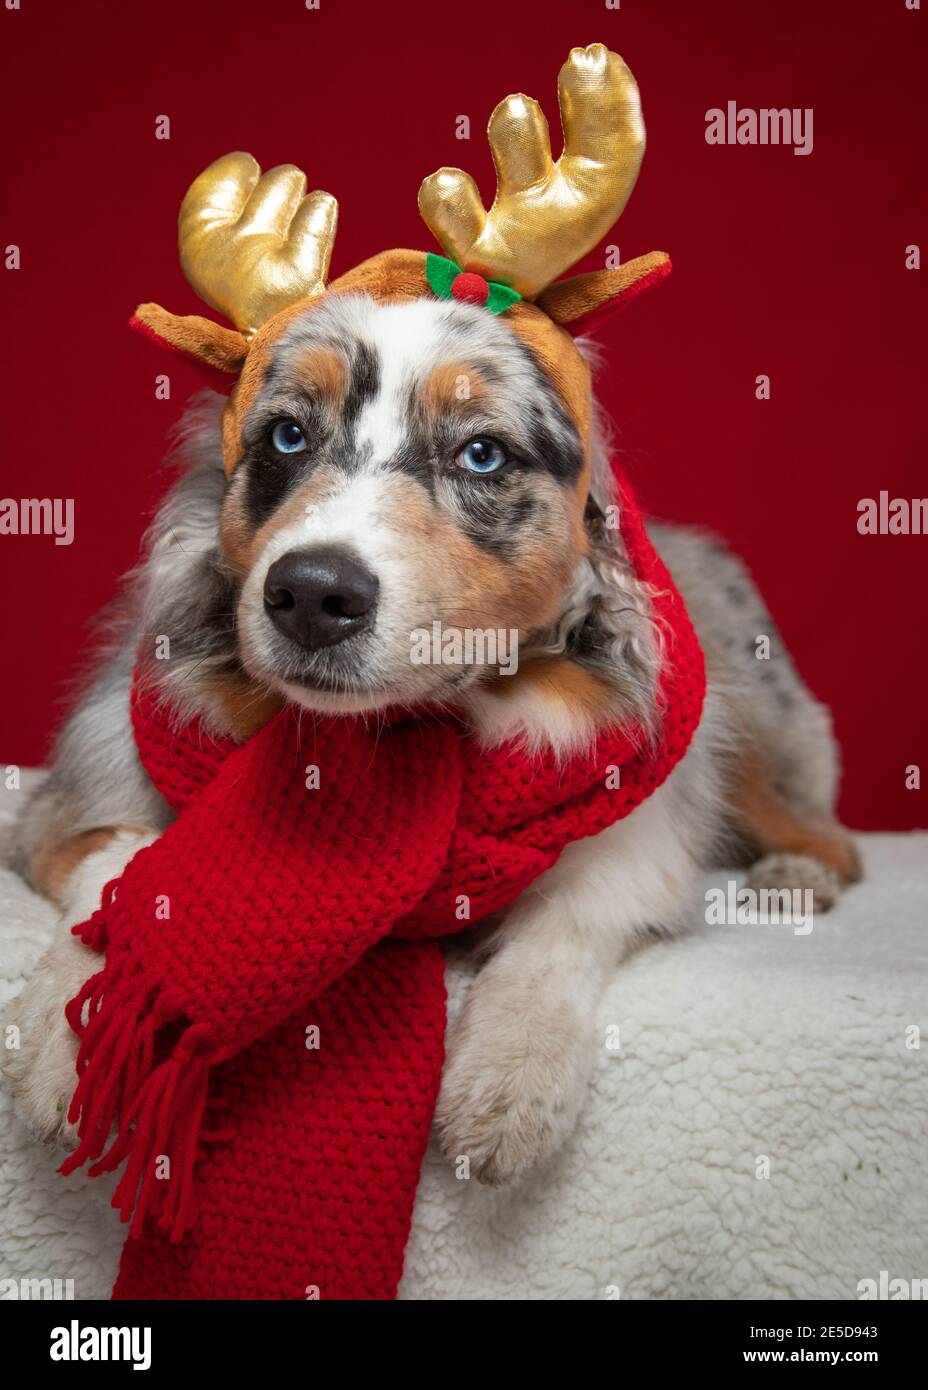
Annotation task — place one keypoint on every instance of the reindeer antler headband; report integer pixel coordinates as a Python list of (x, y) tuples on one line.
[(253, 244), (545, 216)]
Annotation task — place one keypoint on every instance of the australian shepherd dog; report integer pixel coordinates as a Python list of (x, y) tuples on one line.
[(348, 495)]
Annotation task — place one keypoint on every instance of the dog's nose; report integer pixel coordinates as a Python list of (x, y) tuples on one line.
[(320, 597)]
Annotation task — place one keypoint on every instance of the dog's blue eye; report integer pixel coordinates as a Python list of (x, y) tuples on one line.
[(482, 456), (288, 438)]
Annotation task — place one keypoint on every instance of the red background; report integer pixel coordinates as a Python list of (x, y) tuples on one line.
[(786, 265)]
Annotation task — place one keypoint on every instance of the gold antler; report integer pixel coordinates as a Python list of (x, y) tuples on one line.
[(252, 243), (545, 215)]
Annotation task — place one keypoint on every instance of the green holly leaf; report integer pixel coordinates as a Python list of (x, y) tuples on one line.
[(501, 297), (441, 274)]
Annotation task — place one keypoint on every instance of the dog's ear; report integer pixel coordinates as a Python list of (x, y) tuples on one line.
[(581, 302), (199, 339), (614, 635)]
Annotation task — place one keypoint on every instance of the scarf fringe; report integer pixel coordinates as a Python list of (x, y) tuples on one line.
[(158, 1106)]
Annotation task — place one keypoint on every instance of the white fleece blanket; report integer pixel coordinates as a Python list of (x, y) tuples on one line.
[(758, 1133)]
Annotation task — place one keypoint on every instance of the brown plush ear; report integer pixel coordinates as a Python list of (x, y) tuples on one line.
[(200, 339), (583, 301)]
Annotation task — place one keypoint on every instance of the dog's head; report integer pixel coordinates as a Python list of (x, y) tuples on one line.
[(417, 507)]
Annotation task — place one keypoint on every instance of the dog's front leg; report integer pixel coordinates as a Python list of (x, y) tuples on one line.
[(39, 1058), (520, 1054)]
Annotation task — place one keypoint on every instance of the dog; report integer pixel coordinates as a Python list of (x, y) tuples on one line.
[(389, 462)]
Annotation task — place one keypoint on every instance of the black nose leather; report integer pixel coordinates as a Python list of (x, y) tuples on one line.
[(320, 597)]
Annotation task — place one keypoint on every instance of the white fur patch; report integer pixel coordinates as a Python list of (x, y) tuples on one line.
[(408, 339)]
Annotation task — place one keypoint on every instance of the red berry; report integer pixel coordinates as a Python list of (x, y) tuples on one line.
[(469, 288)]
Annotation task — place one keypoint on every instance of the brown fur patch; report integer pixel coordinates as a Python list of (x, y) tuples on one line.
[(236, 532), (231, 433), (559, 679), (246, 706), (554, 350), (54, 863), (322, 372), (241, 545), (249, 384), (477, 588), (766, 819), (441, 390)]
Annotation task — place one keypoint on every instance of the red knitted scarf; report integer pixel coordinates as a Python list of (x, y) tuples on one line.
[(263, 1045)]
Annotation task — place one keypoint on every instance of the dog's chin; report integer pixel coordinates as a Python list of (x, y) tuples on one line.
[(345, 700), (348, 683), (341, 693)]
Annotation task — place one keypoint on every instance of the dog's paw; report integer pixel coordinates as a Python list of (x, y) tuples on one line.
[(38, 1050), (797, 872), (513, 1084)]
